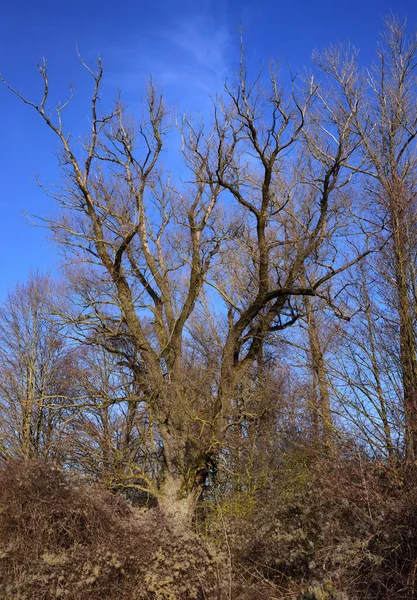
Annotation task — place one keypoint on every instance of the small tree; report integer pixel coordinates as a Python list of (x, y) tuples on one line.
[(37, 373)]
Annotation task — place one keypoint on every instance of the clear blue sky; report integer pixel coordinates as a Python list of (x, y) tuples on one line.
[(189, 47)]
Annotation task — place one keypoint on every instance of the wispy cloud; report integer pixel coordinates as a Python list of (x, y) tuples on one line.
[(204, 49), (190, 56)]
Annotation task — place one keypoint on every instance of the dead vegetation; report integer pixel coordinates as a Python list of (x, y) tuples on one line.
[(61, 538), (343, 533)]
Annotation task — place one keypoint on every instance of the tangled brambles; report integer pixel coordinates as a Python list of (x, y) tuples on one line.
[(63, 539)]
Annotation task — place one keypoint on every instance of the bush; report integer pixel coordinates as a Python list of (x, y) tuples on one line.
[(344, 529), (60, 538)]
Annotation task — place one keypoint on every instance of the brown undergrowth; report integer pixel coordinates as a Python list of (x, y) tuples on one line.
[(345, 529), (342, 529), (60, 538)]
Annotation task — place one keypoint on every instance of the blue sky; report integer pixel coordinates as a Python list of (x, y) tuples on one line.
[(189, 47)]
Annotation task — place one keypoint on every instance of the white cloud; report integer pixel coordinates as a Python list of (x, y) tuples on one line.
[(189, 56), (207, 47)]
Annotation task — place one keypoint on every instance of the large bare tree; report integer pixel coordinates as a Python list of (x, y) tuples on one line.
[(246, 229)]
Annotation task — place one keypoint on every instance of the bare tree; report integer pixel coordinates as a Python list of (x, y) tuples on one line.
[(382, 104), (110, 436), (264, 194), (365, 372), (321, 404), (37, 371)]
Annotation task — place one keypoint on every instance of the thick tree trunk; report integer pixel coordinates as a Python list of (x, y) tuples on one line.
[(183, 481), (177, 503)]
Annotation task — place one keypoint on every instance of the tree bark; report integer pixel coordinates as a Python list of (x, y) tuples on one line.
[(321, 407), (408, 346)]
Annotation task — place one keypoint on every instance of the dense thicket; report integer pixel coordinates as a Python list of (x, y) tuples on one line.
[(62, 539), (233, 347), (325, 530)]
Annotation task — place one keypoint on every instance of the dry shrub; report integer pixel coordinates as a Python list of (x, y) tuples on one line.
[(389, 567), (60, 538), (342, 527)]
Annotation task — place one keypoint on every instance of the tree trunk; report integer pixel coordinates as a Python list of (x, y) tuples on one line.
[(177, 503), (321, 406), (183, 481), (408, 347), (27, 414)]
